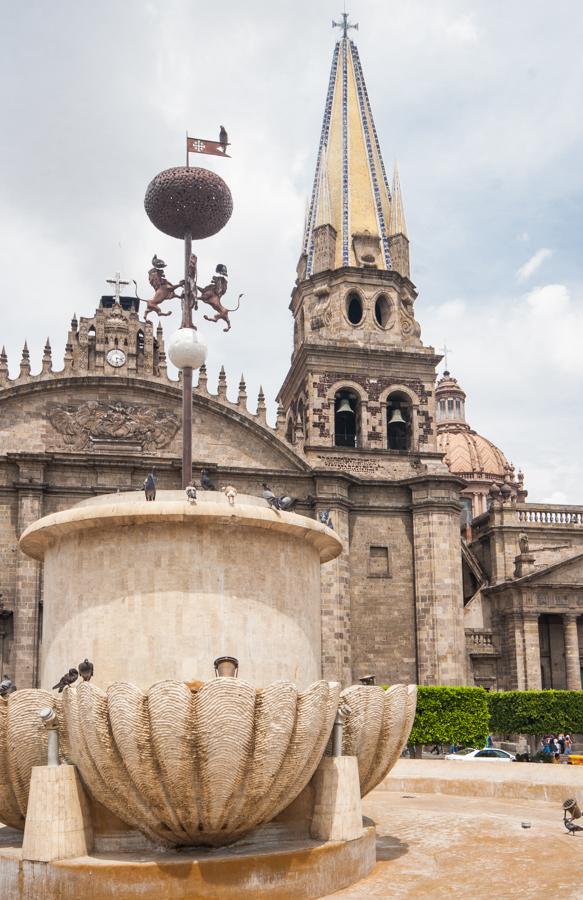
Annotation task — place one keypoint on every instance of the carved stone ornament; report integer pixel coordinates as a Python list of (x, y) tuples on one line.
[(97, 421), (409, 324)]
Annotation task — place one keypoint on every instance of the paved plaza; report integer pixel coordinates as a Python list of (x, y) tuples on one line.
[(454, 845)]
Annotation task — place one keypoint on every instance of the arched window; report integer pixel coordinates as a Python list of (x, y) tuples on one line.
[(382, 311), (91, 333), (289, 432), (399, 413), (346, 419), (140, 341), (354, 308)]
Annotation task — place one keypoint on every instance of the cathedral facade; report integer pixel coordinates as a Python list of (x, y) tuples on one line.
[(362, 433)]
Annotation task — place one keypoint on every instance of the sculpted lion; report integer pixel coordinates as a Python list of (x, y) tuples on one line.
[(163, 290), (212, 294)]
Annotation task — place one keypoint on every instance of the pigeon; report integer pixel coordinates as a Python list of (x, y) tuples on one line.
[(223, 139), (150, 486), (205, 481), (570, 826), (158, 263), (6, 686), (86, 670), (325, 518), (230, 493), (190, 491), (268, 495), (68, 679), (283, 502)]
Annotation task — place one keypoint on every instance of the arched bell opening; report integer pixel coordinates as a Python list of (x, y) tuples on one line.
[(346, 412), (399, 418)]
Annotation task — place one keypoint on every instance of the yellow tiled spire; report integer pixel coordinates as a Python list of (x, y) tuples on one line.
[(397, 219), (324, 207), (351, 190)]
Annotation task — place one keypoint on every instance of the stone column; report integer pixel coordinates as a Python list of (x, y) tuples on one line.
[(26, 613), (531, 652), (335, 593), (439, 608), (572, 658)]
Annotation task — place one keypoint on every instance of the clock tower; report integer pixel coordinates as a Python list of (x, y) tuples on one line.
[(114, 341)]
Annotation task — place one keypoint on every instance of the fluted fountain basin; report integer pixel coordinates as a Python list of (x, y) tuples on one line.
[(198, 766), (182, 584)]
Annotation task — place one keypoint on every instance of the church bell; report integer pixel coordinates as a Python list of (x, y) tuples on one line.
[(344, 406), (397, 418)]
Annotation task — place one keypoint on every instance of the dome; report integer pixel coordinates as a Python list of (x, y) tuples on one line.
[(470, 455), (467, 453)]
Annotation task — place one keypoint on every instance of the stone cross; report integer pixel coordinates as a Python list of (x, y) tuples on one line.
[(118, 285)]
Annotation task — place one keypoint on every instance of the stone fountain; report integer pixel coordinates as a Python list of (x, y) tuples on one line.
[(169, 782)]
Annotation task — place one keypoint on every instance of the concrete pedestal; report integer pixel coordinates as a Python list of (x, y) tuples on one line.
[(57, 819), (337, 808)]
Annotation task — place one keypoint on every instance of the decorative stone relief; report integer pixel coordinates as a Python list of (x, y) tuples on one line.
[(96, 421)]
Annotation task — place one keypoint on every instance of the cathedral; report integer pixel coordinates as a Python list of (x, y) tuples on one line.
[(448, 575)]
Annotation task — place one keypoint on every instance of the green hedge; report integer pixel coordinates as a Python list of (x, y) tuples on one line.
[(447, 715), (536, 712)]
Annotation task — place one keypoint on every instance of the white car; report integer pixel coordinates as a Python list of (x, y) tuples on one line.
[(489, 753)]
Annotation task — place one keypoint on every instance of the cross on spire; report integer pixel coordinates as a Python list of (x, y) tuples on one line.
[(445, 350), (118, 283), (345, 25)]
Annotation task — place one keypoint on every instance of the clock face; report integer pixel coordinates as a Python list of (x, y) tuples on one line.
[(116, 357)]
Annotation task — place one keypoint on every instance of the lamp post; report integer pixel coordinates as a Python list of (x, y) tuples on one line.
[(188, 203)]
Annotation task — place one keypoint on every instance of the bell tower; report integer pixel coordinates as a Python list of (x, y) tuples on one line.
[(360, 377), (359, 405)]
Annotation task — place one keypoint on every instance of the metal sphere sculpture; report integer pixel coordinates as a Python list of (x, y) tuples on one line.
[(185, 200)]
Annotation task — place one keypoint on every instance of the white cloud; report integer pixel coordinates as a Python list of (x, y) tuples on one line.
[(463, 30), (532, 264), (451, 309)]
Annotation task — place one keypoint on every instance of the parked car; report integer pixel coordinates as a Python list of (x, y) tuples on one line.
[(490, 753)]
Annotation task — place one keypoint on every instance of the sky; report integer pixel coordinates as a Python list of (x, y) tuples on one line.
[(479, 100)]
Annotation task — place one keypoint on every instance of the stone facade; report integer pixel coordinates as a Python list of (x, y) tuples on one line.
[(524, 623)]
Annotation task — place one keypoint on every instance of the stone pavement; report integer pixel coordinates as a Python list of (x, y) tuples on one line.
[(432, 845)]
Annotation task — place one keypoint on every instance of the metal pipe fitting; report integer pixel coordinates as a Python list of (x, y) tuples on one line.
[(49, 721)]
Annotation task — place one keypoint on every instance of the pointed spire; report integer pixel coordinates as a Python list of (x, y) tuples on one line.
[(261, 407), (398, 224), (222, 386), (202, 386), (350, 189), (74, 322), (47, 364), (25, 361), (3, 366), (68, 358), (242, 397)]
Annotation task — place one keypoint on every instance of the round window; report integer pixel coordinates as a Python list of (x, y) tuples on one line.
[(354, 309), (382, 311)]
